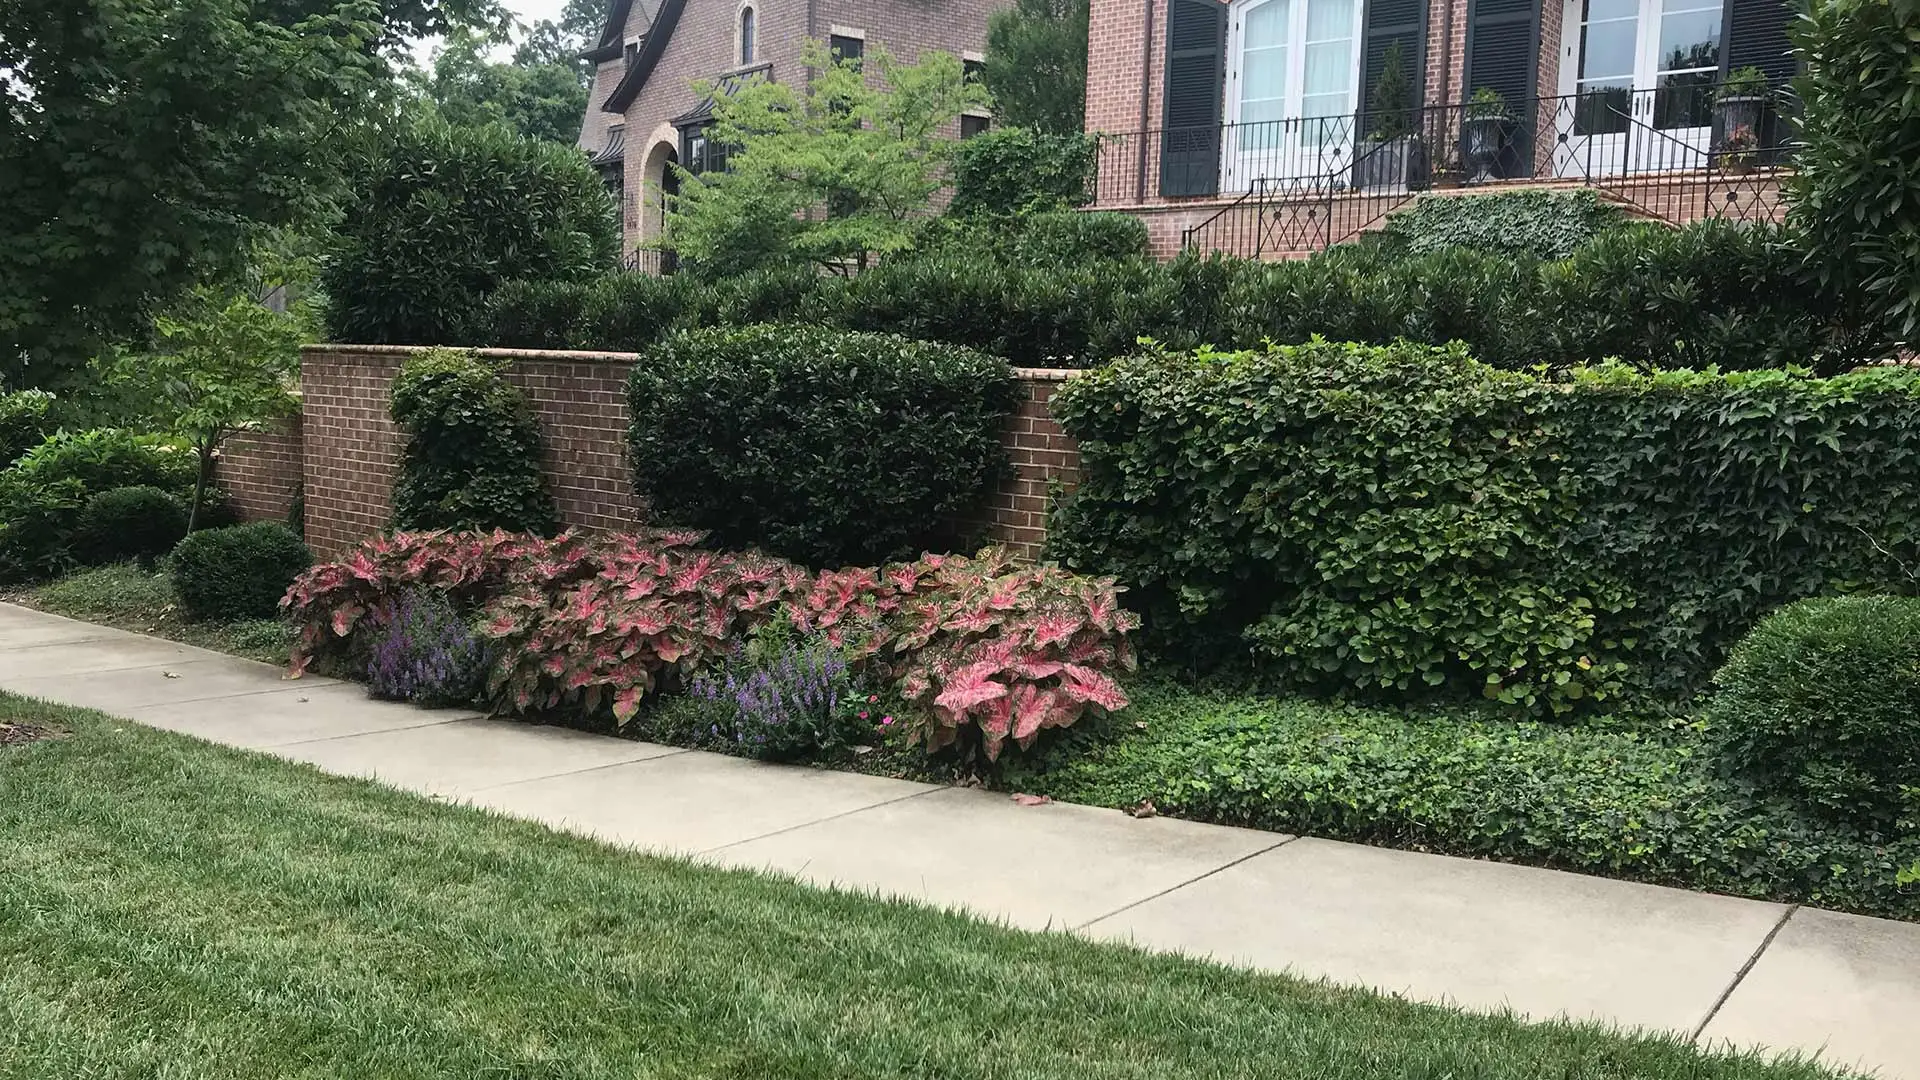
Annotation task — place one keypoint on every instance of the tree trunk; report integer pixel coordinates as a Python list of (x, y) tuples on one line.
[(205, 451)]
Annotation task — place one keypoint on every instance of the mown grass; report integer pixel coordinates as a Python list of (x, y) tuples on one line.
[(174, 909), (130, 597)]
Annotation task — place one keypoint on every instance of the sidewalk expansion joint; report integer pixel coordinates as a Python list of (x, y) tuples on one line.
[(1124, 908), (1740, 976), (672, 752), (824, 820)]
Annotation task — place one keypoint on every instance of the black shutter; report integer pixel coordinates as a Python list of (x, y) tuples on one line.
[(1503, 54), (1390, 23), (1757, 37), (1195, 91)]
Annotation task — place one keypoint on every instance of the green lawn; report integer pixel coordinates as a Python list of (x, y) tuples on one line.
[(172, 909), (132, 598)]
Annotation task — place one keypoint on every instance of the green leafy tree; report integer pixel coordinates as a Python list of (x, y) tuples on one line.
[(539, 94), (1853, 191), (146, 145), (1037, 64), (226, 364), (829, 173)]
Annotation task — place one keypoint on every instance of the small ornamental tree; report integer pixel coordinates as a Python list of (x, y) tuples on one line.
[(829, 173), (226, 364)]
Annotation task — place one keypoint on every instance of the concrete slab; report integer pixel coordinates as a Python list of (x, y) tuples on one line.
[(464, 756), (24, 627), (1478, 934), (298, 714), (1843, 985), (93, 655), (130, 689), (691, 803), (1036, 866)]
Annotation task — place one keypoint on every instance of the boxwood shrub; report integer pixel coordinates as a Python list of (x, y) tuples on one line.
[(1821, 702), (236, 572), (1403, 522), (471, 459), (141, 523), (824, 446)]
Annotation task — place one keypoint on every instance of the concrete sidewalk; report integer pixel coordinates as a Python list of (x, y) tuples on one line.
[(1477, 934)]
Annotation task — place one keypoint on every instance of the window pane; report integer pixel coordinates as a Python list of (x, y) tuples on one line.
[(1611, 9), (746, 36), (1602, 107), (1606, 50), (1684, 101), (1328, 20), (1690, 41), (1266, 25), (1329, 71), (1263, 75)]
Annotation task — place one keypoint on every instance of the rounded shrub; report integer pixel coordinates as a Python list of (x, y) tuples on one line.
[(239, 572), (824, 446), (141, 523), (441, 216), (1821, 702), (472, 453), (43, 494)]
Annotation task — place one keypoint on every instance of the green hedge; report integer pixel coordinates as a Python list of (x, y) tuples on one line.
[(1015, 170), (1646, 805), (471, 459), (44, 494), (822, 446), (1402, 522), (1062, 290)]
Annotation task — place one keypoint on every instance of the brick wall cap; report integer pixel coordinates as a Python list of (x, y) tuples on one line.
[(1040, 374), (495, 354)]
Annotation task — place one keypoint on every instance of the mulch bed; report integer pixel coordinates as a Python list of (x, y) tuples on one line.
[(15, 734)]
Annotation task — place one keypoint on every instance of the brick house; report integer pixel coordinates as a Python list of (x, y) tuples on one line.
[(643, 113), (1275, 127)]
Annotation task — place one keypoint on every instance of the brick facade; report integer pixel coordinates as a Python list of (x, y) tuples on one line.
[(348, 449)]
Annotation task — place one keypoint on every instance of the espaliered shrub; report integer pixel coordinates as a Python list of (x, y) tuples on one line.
[(1821, 702), (818, 445), (992, 652), (1534, 224), (1402, 521), (472, 453)]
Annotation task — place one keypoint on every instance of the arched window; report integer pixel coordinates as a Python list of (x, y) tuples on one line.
[(747, 19)]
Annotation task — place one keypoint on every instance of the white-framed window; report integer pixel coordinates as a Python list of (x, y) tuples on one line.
[(1294, 70), (749, 32)]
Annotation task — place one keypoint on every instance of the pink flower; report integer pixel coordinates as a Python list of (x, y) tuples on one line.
[(863, 716), (871, 698), (885, 720)]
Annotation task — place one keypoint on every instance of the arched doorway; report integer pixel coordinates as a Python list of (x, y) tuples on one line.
[(662, 184)]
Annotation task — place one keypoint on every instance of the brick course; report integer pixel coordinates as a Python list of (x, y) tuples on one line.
[(347, 448)]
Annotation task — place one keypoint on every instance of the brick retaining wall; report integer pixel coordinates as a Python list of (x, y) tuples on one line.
[(347, 447)]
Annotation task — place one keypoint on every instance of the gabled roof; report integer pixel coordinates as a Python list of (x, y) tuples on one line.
[(613, 35), (651, 46)]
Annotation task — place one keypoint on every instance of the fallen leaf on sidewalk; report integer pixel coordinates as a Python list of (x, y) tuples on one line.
[(171, 674), (1146, 809), (1031, 800)]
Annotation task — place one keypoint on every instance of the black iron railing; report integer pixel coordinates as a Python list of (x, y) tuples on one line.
[(1682, 152)]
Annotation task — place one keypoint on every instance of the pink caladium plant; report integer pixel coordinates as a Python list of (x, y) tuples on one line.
[(598, 622)]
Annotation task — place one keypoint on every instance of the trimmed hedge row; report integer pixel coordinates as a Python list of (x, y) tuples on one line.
[(1404, 522), (1712, 294), (821, 446)]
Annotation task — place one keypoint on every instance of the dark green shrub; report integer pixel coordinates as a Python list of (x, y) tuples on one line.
[(472, 453), (1310, 504), (239, 572), (823, 446), (24, 422), (43, 493), (535, 314), (1861, 217), (1384, 521), (141, 523), (441, 216), (1821, 702), (629, 312), (1531, 224), (779, 294), (1063, 238), (1713, 294), (1012, 170)]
